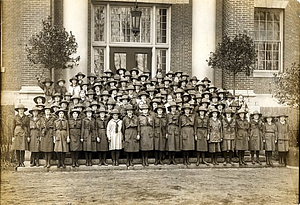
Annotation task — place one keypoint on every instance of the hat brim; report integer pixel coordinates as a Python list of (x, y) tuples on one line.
[(25, 109)]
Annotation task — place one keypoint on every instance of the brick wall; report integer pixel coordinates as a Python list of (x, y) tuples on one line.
[(238, 17), (21, 19), (218, 73), (181, 37)]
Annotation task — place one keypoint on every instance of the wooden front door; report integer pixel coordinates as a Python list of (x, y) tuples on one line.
[(129, 58)]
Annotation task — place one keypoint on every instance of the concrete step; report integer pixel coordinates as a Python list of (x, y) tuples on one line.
[(68, 161), (140, 167)]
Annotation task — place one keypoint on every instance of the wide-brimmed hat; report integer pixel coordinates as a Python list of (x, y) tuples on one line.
[(117, 77), (170, 73), (179, 90), (144, 106), (129, 107), (35, 109), (39, 96), (151, 89), (123, 80), (56, 95), (74, 110), (108, 71), (42, 105), (234, 104), (47, 80), (97, 84), (68, 94), (221, 91), (155, 100), (194, 78), (55, 105), (167, 79), (121, 69), (101, 109), (186, 95), (88, 109), (282, 115), (214, 110), (199, 83), (158, 95), (142, 93), (187, 106), (154, 80), (64, 101), (134, 69), (112, 89), (178, 100), (142, 75), (61, 110), (79, 73), (127, 73), (75, 97), (159, 76), (59, 80), (229, 95), (206, 93), (124, 97), (179, 71), (202, 109), (94, 102), (90, 92), (206, 79), (220, 103), (111, 101), (228, 110), (105, 93), (184, 74), (255, 113), (214, 95), (49, 107), (204, 100), (73, 78), (115, 111), (160, 107), (241, 111), (130, 87), (79, 105)]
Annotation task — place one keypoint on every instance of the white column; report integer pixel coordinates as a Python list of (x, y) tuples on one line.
[(75, 13), (204, 37)]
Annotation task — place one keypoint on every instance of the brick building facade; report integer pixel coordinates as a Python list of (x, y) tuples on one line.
[(189, 37)]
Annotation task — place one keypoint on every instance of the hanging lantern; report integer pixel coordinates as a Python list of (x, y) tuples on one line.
[(136, 19)]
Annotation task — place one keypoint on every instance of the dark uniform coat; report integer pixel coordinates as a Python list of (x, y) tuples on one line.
[(88, 134), (173, 141), (20, 132), (256, 132), (160, 130), (201, 126), (35, 134), (47, 127), (187, 133), (101, 125), (270, 135), (242, 128), (229, 129), (75, 132), (215, 135), (283, 136), (61, 129), (130, 132), (146, 132)]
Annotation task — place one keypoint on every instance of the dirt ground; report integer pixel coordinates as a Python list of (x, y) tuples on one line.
[(195, 186)]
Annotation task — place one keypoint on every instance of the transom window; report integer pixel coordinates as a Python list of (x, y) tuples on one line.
[(112, 29), (268, 38)]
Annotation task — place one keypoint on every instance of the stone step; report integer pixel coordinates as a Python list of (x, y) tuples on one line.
[(140, 167), (68, 161)]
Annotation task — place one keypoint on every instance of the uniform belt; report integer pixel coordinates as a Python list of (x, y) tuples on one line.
[(187, 126), (269, 132)]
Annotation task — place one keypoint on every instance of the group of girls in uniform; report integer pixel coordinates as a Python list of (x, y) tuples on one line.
[(128, 112)]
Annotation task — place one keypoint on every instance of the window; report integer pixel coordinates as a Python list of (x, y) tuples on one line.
[(268, 39), (114, 45)]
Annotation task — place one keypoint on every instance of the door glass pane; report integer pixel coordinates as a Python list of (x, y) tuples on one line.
[(162, 60), (120, 60), (121, 25), (141, 61)]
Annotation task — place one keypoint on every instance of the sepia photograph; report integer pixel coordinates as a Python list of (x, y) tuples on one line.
[(149, 102)]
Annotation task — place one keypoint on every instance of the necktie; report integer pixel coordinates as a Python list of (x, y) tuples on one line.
[(117, 126)]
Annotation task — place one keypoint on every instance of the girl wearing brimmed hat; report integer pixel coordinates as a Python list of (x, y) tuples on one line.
[(47, 87), (35, 130), (270, 135), (115, 136), (75, 132), (160, 128), (283, 138), (60, 87), (47, 133), (214, 135), (241, 141), (39, 99), (61, 137), (228, 143), (186, 127), (255, 139), (173, 140), (102, 142), (201, 126), (145, 133), (88, 135), (130, 133), (80, 76), (74, 88), (20, 133)]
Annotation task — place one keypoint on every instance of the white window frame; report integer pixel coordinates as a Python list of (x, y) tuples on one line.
[(152, 44), (270, 73)]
